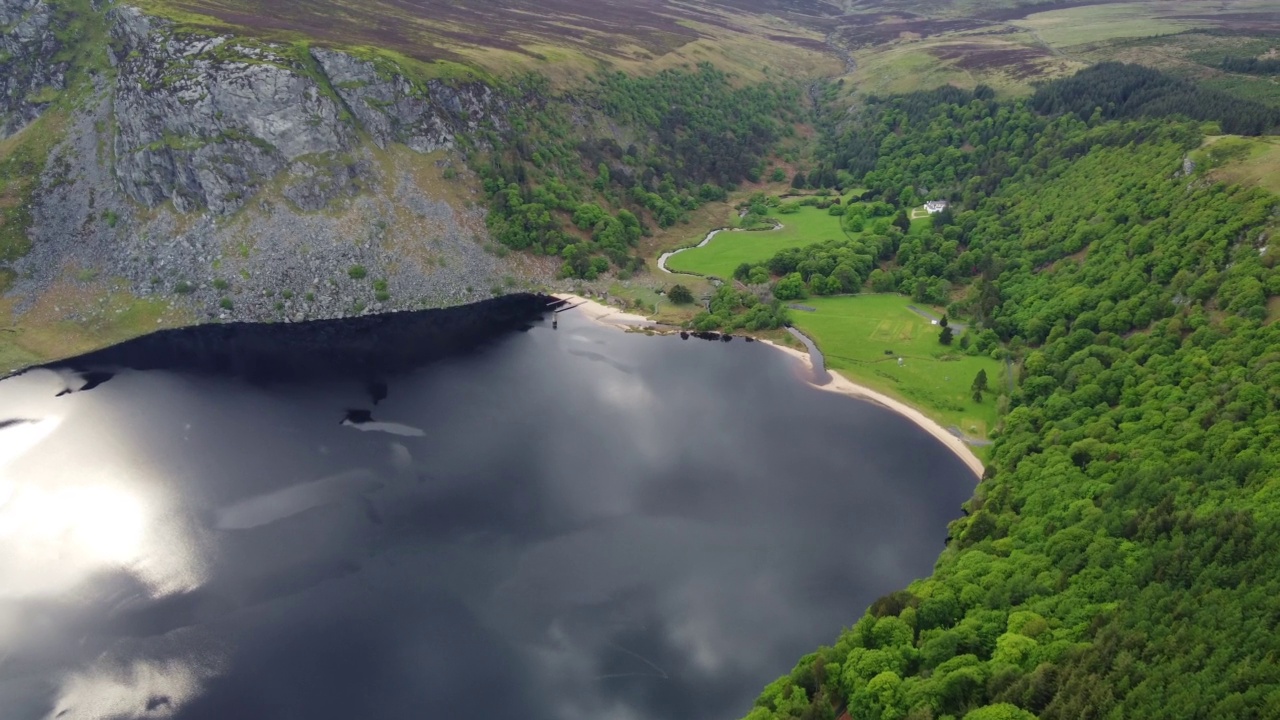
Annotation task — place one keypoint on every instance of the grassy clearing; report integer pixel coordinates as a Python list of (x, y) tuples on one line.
[(884, 70), (1242, 160), (710, 215), (855, 332), (728, 250), (656, 306), (110, 315)]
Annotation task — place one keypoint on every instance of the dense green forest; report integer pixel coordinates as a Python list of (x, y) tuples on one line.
[(1118, 90), (1251, 66), (556, 189), (1118, 559)]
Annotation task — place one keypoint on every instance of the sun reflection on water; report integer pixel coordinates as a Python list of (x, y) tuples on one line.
[(64, 524), (56, 530)]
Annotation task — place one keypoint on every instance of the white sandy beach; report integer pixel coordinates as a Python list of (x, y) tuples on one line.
[(603, 313), (844, 386), (839, 384)]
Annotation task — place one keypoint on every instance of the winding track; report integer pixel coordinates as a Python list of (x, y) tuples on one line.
[(662, 259)]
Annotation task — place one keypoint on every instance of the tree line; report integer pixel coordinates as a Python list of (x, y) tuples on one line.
[(1251, 65)]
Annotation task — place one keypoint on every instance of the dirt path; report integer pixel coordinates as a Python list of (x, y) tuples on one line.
[(1052, 50), (664, 257)]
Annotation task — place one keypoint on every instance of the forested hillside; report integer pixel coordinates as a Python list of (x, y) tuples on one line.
[(1118, 558), (1117, 90), (693, 135), (1251, 66)]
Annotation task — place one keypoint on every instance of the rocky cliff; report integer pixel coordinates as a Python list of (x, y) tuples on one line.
[(30, 72), (205, 121), (234, 178)]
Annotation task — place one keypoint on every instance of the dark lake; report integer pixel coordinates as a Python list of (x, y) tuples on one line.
[(458, 514)]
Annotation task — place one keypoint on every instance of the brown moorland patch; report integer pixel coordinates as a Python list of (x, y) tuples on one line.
[(441, 29), (1019, 62), (887, 28)]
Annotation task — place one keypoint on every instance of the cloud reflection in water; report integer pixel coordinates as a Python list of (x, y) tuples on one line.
[(648, 529)]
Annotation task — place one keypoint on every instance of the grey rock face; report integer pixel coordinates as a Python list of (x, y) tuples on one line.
[(313, 188), (205, 122), (11, 11), (27, 50), (217, 125), (426, 118), (277, 259)]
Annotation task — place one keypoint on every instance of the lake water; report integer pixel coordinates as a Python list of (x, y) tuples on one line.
[(464, 514)]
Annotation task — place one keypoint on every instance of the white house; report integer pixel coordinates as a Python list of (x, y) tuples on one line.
[(935, 206)]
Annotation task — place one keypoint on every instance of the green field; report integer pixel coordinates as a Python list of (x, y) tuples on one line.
[(854, 331), (728, 250)]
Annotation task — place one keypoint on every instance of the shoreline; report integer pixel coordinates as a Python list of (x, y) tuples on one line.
[(844, 386), (839, 384), (603, 313)]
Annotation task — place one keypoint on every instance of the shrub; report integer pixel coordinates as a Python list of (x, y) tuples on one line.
[(357, 272), (680, 295)]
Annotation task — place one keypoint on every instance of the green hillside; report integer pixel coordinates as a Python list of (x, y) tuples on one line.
[(1117, 559)]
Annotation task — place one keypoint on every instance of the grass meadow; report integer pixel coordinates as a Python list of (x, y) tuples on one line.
[(862, 336), (728, 250)]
